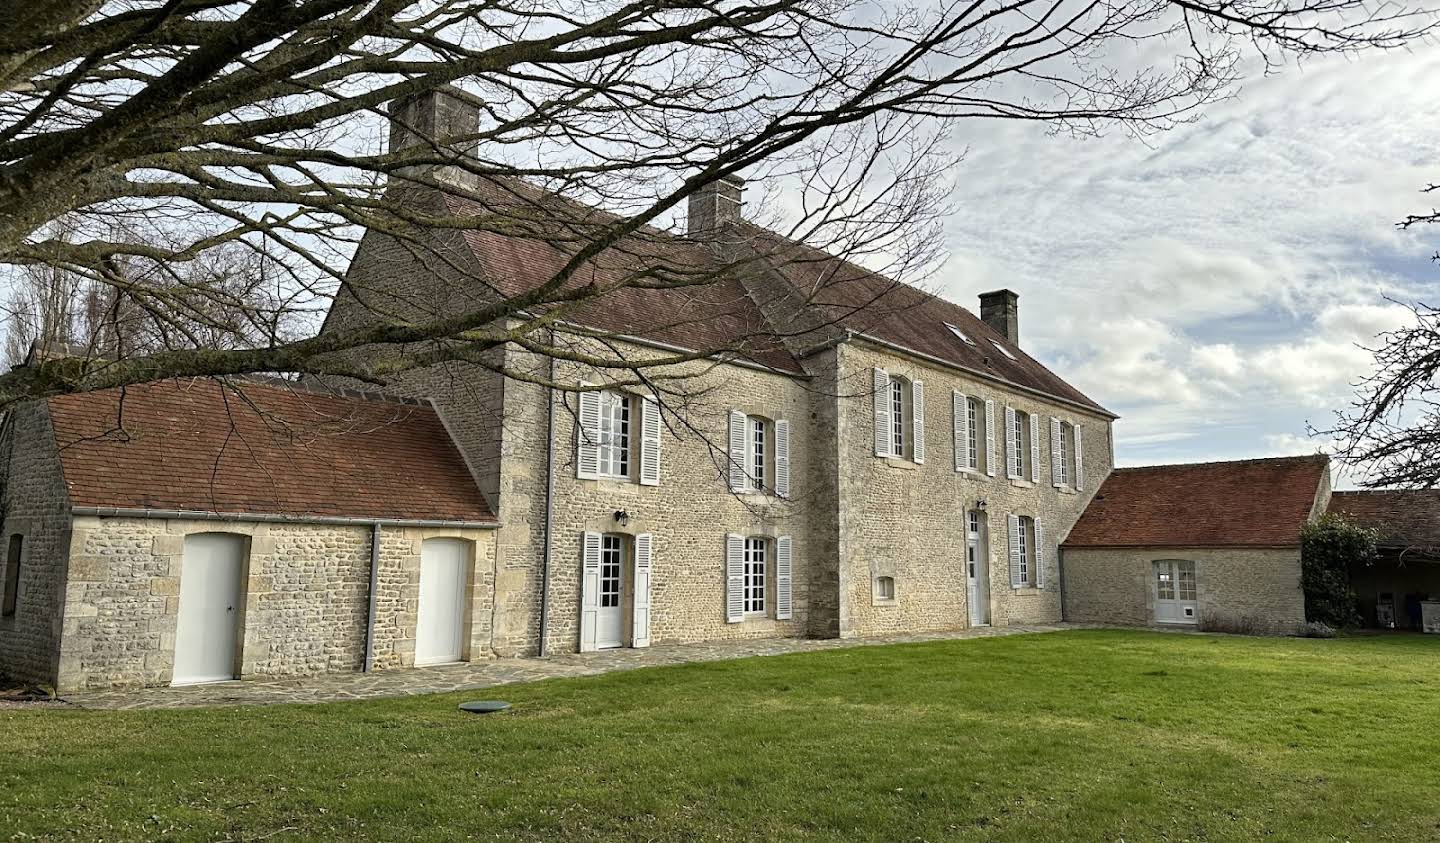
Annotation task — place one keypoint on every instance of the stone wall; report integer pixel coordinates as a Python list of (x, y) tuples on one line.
[(1237, 589), (36, 507), (907, 521), (306, 602)]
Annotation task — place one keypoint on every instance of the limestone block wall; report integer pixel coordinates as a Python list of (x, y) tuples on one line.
[(907, 521), (35, 506), (305, 608), (1250, 588)]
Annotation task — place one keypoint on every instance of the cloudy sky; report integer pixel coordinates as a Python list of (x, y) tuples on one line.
[(1211, 285)]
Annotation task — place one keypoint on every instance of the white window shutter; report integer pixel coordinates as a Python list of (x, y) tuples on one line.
[(1012, 454), (783, 579), (589, 589), (1039, 554), (739, 479), (917, 420), (1057, 459), (734, 578), (1013, 521), (782, 458), (649, 442), (883, 443), (587, 436), (1079, 452), (1034, 448), (990, 438), (640, 616), (961, 408)]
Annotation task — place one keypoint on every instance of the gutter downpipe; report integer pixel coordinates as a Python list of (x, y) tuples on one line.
[(549, 506), (370, 614)]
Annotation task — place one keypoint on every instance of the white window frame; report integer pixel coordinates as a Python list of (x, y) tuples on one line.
[(613, 446), (1026, 535), (897, 416), (880, 583), (757, 575), (612, 571), (973, 408), (1017, 441), (1066, 431), (759, 448)]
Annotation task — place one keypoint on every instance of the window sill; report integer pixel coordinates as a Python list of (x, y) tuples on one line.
[(884, 603), (901, 463), (1025, 590), (1065, 490), (1021, 484), (971, 474)]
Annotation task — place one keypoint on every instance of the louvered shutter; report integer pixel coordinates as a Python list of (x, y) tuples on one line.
[(1013, 521), (1012, 454), (990, 438), (782, 458), (1039, 554), (783, 579), (961, 416), (917, 425), (734, 578), (739, 480), (649, 442), (883, 442), (1079, 457), (587, 437), (1034, 448), (589, 589), (1057, 459), (640, 616)]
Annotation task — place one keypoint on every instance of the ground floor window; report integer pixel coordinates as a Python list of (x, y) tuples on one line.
[(755, 563)]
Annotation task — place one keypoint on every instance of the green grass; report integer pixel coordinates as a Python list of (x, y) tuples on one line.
[(1087, 735)]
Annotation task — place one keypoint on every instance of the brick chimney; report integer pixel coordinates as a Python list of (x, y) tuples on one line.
[(444, 116), (1000, 309), (714, 205)]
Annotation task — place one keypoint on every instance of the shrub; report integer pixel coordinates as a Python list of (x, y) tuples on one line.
[(1315, 629), (1231, 624), (1329, 546)]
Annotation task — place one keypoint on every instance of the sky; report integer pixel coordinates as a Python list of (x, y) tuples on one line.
[(1213, 285)]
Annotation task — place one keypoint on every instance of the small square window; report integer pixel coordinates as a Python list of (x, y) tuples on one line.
[(884, 588)]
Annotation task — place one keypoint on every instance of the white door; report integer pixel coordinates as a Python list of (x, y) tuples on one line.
[(610, 620), (1175, 598), (207, 629), (977, 571), (443, 564)]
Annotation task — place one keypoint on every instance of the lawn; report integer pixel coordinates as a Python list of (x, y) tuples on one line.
[(1086, 735)]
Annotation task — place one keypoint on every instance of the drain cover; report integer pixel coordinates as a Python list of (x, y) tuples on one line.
[(484, 706)]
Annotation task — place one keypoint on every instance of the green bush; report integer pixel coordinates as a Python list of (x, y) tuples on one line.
[(1329, 547)]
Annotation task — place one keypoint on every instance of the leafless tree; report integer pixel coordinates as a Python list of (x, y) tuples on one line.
[(249, 125)]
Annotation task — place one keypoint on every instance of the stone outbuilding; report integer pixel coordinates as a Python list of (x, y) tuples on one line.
[(1210, 545), (189, 531), (1392, 593)]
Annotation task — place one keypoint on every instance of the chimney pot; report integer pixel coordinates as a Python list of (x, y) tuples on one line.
[(715, 205), (1000, 309)]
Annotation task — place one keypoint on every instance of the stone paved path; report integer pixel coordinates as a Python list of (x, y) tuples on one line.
[(490, 673)]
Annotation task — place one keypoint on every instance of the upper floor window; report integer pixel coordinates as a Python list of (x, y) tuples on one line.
[(1062, 453), (975, 421), (1018, 442), (899, 417), (614, 440), (759, 451), (759, 454)]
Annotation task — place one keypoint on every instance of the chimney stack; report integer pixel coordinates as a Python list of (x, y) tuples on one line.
[(446, 117), (1000, 309), (715, 205)]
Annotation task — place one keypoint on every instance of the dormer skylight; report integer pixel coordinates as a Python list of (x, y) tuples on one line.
[(959, 334), (1003, 350)]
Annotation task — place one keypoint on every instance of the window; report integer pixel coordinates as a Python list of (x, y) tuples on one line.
[(884, 588), (612, 552), (1186, 571), (1025, 575), (959, 334), (614, 444), (758, 436), (755, 548), (1003, 350), (1062, 451), (1164, 583), (1019, 444), (897, 417), (12, 576), (976, 416)]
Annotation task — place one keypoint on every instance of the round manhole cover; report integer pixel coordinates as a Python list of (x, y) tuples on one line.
[(484, 706)]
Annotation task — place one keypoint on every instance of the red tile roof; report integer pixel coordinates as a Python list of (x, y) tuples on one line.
[(1251, 503), (1404, 518), (261, 448)]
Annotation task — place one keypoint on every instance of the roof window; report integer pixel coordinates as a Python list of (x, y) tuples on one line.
[(1003, 350), (959, 334)]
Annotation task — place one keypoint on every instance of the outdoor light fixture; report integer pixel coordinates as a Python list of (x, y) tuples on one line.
[(622, 517), (980, 504)]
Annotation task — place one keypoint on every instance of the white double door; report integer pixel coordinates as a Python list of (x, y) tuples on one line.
[(1175, 592), (440, 627), (977, 570), (207, 631)]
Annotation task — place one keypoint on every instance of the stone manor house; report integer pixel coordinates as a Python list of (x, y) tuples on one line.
[(869, 460)]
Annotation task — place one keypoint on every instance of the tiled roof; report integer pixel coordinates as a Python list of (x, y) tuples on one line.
[(1253, 503), (715, 314), (262, 448), (1404, 518), (870, 303)]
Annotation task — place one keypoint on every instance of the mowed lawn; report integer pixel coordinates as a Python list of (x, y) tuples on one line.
[(1085, 735)]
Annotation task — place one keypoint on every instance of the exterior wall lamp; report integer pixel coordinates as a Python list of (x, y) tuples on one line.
[(622, 517)]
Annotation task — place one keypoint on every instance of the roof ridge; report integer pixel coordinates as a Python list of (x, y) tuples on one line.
[(1244, 461)]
